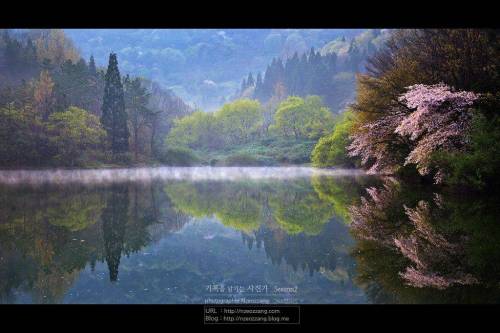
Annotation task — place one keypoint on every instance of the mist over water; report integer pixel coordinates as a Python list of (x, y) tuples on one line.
[(109, 176)]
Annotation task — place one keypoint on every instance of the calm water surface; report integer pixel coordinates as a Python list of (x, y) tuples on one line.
[(242, 235)]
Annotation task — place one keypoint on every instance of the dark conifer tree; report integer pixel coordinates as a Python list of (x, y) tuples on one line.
[(266, 82), (354, 56), (114, 117), (92, 67), (250, 80), (29, 54), (294, 79), (258, 87)]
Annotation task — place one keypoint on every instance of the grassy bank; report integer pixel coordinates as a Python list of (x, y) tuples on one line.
[(264, 152)]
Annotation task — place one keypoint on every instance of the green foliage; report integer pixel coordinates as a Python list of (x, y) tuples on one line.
[(241, 159), (329, 72), (139, 114), (235, 206), (79, 211), (76, 134), (265, 152), (301, 212), (331, 149), (236, 135), (196, 130), (179, 157), (239, 120), (23, 139), (478, 166), (302, 118), (293, 207), (342, 192), (235, 123)]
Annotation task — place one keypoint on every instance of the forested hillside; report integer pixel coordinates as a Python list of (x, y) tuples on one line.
[(328, 72), (203, 66), (51, 103), (52, 98)]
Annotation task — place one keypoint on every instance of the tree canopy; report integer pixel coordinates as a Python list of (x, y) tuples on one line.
[(303, 118)]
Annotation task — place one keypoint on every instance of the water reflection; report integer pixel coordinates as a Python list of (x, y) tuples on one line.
[(342, 239), (419, 246), (114, 218), (49, 234)]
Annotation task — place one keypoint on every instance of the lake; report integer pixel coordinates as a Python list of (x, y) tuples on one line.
[(242, 235)]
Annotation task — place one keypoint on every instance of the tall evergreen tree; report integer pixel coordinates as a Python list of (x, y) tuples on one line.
[(114, 117), (258, 87), (92, 67), (250, 80)]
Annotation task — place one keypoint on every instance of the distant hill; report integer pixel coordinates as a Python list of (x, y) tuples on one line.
[(329, 72), (203, 66)]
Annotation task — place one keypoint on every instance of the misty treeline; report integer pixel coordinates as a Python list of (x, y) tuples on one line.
[(427, 107), (51, 106), (328, 72)]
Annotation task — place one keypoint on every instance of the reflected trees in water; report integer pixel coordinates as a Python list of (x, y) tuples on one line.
[(398, 242), (419, 246)]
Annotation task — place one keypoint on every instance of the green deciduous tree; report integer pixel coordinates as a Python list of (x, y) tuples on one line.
[(239, 120), (23, 140), (234, 123), (303, 118), (194, 130), (76, 134), (331, 149)]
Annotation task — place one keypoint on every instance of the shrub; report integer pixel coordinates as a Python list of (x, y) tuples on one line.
[(125, 158), (242, 159), (179, 157), (331, 149)]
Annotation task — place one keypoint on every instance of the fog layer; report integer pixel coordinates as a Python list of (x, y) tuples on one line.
[(109, 176)]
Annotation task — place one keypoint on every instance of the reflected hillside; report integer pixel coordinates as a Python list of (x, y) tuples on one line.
[(294, 206), (327, 252)]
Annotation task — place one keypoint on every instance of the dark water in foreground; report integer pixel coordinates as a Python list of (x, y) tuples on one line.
[(242, 235)]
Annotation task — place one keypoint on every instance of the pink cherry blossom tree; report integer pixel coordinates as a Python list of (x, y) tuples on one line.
[(376, 144), (428, 118), (440, 121)]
